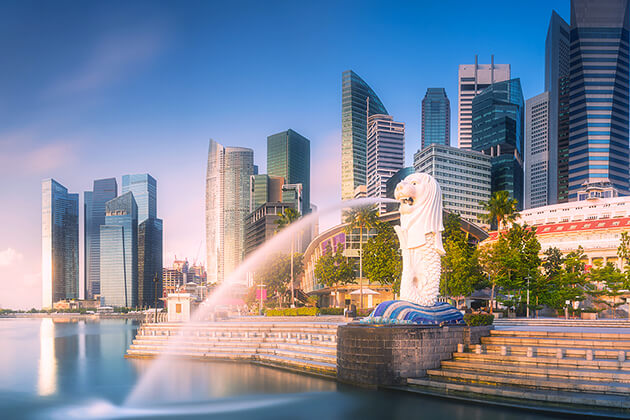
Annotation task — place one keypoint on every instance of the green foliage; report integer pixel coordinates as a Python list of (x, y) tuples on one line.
[(331, 311), (563, 278), (613, 280), (305, 311), (287, 217), (382, 259), (361, 218), (276, 274), (332, 269), (478, 320), (501, 209)]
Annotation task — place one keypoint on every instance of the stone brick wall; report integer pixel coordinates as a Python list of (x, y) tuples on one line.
[(374, 355)]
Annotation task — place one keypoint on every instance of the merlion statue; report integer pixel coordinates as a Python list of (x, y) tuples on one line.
[(420, 236)]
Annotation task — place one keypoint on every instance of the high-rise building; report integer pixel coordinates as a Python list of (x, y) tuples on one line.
[(497, 131), (227, 204), (436, 118), (556, 68), (94, 201), (354, 112), (474, 78), (289, 157), (150, 236), (119, 252), (392, 182), (538, 162), (385, 153), (463, 176), (264, 189), (563, 139), (599, 73), (60, 243), (260, 225)]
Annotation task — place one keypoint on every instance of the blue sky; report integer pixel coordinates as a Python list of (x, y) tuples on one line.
[(92, 90)]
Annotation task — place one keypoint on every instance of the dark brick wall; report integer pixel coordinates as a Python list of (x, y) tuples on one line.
[(370, 355)]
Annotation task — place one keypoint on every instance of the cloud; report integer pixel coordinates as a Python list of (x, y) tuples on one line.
[(33, 154), (325, 178), (9, 257)]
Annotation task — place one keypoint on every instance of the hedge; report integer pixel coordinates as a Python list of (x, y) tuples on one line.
[(306, 311), (477, 320), (331, 311)]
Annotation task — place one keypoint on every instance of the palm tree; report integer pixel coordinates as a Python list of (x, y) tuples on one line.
[(501, 209), (287, 217), (361, 218)]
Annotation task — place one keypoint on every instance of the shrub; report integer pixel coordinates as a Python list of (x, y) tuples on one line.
[(331, 311), (477, 320), (306, 311)]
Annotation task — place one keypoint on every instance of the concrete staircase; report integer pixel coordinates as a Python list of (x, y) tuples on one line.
[(302, 346), (570, 370)]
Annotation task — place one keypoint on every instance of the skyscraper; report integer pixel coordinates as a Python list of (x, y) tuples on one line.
[(538, 188), (354, 111), (497, 131), (144, 189), (474, 78), (265, 189), (598, 104), (93, 217), (227, 204), (119, 252), (556, 68), (289, 157), (385, 153), (436, 118), (60, 243)]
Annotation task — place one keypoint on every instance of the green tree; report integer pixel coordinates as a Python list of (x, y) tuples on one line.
[(288, 216), (383, 260), (495, 260), (278, 272), (362, 218), (501, 208), (333, 269), (612, 279)]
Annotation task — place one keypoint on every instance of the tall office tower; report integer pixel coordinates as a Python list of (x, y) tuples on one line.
[(94, 201), (385, 154), (150, 236), (599, 73), (497, 131), (60, 243), (227, 204), (289, 157), (119, 252), (436, 118), (463, 176), (354, 111), (264, 189), (563, 139), (556, 67), (538, 164), (392, 182), (474, 78)]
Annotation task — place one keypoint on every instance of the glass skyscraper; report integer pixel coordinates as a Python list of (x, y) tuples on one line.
[(119, 252), (497, 131), (60, 243), (144, 189), (354, 112), (93, 217), (598, 103), (436, 118), (289, 156)]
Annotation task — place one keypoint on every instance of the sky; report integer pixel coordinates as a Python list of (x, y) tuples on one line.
[(92, 90)]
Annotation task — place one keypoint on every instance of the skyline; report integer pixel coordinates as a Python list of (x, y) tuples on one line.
[(160, 97)]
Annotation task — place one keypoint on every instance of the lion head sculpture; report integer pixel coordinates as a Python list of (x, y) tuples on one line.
[(420, 210)]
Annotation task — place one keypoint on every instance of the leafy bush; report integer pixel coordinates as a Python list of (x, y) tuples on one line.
[(477, 320), (306, 311), (331, 311)]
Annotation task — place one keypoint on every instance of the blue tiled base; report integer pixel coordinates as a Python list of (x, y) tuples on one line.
[(403, 312)]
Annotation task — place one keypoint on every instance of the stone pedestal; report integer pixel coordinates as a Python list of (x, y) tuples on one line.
[(377, 355)]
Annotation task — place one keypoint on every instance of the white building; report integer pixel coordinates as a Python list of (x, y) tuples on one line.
[(464, 177), (385, 153), (473, 78), (537, 152)]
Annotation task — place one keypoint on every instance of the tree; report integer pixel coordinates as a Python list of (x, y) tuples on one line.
[(563, 278), (383, 260), (288, 216), (501, 208), (332, 269), (278, 272), (495, 260), (614, 281), (361, 218)]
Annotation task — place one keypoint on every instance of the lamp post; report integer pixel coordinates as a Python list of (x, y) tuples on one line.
[(528, 296), (155, 283)]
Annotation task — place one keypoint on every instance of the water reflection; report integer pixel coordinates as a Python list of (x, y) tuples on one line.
[(47, 372)]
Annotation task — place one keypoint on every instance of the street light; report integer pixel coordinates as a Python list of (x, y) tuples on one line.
[(528, 296)]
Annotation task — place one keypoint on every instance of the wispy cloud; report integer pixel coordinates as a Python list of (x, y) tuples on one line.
[(34, 154), (9, 257)]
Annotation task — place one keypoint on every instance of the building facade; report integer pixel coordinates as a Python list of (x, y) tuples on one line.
[(539, 165), (94, 201), (144, 189), (119, 252), (497, 131), (227, 204), (385, 153), (60, 243), (463, 176), (436, 118), (392, 182), (264, 189), (472, 80), (599, 73), (354, 112), (261, 224)]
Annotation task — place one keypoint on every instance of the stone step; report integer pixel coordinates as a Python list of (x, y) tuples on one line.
[(565, 362), (558, 342), (594, 375), (514, 395), (551, 351), (534, 383), (301, 347), (299, 355), (560, 334), (329, 341), (307, 346), (322, 367)]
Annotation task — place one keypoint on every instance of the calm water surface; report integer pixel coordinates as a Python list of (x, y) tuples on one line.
[(61, 369)]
